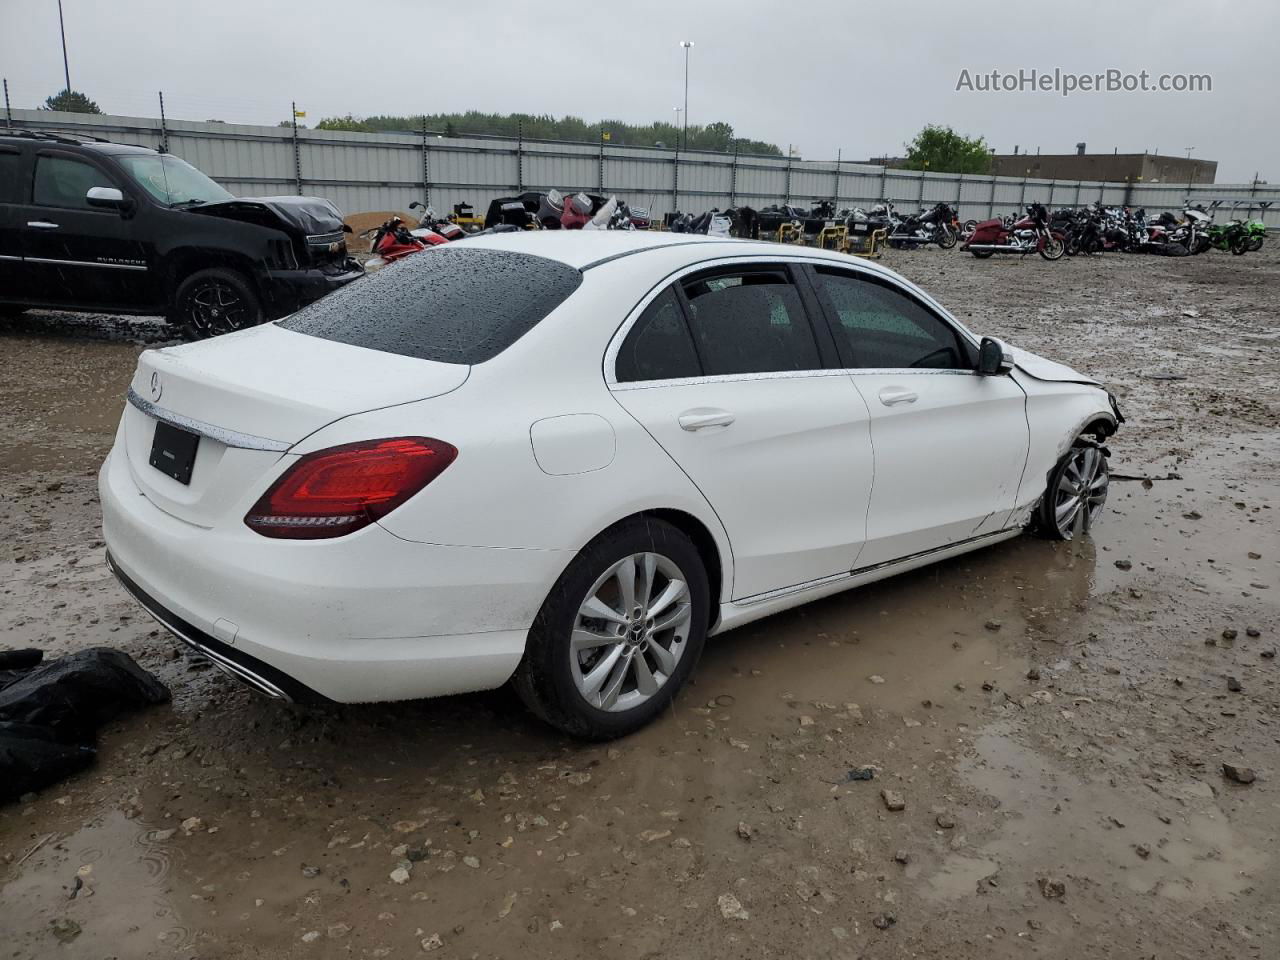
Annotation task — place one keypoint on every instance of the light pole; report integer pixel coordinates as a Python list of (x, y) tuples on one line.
[(688, 45), (678, 111), (66, 69)]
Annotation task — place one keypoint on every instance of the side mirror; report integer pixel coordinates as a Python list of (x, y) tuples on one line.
[(107, 198), (994, 357)]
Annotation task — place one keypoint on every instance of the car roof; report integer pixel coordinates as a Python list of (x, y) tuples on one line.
[(56, 138), (584, 249)]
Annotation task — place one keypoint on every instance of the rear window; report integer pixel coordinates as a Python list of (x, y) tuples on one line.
[(452, 304)]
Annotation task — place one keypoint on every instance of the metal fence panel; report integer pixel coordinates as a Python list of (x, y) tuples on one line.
[(361, 171)]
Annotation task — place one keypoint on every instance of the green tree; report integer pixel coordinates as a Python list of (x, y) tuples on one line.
[(942, 150), (70, 101), (348, 123)]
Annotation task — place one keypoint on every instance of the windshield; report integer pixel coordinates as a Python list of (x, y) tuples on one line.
[(173, 181)]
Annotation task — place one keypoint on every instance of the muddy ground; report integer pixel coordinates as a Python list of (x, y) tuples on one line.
[(1054, 716)]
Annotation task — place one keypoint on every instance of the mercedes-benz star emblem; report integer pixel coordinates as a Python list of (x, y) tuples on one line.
[(157, 386)]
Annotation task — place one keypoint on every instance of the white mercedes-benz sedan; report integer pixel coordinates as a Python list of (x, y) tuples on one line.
[(565, 459)]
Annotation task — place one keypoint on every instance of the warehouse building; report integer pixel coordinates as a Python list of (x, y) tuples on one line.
[(1108, 167)]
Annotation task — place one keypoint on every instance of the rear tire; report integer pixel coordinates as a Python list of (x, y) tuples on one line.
[(215, 301), (983, 254), (604, 659)]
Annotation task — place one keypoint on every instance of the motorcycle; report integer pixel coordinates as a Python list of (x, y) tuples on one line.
[(935, 225), (393, 241), (1257, 232), (428, 222), (1231, 236), (1030, 233)]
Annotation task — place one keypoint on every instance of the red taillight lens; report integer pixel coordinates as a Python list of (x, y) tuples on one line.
[(334, 492)]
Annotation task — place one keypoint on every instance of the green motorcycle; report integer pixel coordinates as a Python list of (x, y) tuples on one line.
[(1256, 231), (1233, 236)]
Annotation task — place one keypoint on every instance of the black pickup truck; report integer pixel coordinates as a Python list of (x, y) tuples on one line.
[(107, 227)]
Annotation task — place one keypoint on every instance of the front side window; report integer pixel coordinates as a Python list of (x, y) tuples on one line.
[(658, 347), (172, 181), (63, 182), (881, 327), (750, 321)]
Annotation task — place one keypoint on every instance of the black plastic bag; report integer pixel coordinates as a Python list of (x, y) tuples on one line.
[(49, 712)]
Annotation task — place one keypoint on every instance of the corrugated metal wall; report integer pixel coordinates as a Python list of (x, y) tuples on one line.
[(360, 171)]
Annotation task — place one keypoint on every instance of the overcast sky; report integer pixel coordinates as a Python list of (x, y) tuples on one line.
[(821, 74)]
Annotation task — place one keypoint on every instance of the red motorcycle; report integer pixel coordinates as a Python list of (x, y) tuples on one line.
[(392, 241), (1031, 233)]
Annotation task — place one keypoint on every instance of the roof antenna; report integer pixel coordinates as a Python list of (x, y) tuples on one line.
[(164, 129)]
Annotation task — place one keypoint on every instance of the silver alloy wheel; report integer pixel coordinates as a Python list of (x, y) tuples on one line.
[(1081, 492), (630, 632)]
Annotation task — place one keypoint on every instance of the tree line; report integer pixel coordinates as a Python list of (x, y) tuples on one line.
[(717, 136)]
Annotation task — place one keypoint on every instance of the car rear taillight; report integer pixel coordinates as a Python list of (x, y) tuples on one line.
[(333, 492)]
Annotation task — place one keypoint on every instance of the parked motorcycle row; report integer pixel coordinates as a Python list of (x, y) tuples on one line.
[(1096, 228), (1065, 232), (394, 239)]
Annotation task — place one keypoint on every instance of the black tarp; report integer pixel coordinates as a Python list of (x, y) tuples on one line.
[(49, 711)]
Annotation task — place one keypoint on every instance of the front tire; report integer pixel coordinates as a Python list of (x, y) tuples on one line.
[(1053, 247), (215, 301), (1076, 493), (619, 634)]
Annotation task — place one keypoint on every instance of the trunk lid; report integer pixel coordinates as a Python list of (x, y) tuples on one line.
[(250, 396)]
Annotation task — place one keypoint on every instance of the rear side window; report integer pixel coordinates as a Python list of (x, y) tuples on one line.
[(750, 321), (452, 304), (881, 327), (659, 346), (63, 182), (10, 190)]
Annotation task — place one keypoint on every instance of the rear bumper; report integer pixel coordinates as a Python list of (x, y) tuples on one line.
[(367, 617), (290, 290), (261, 676)]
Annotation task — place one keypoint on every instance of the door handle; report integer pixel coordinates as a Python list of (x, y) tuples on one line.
[(703, 417), (890, 396), (42, 225)]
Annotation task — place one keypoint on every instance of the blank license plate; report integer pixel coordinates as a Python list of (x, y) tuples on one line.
[(173, 451)]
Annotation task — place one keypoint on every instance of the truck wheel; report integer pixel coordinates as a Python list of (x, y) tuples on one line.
[(214, 301)]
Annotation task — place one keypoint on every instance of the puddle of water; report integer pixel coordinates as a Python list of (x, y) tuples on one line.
[(123, 905), (921, 632), (72, 392), (1058, 822)]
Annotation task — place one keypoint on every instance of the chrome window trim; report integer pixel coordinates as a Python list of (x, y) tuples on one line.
[(86, 263), (230, 438), (620, 335), (5, 256)]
